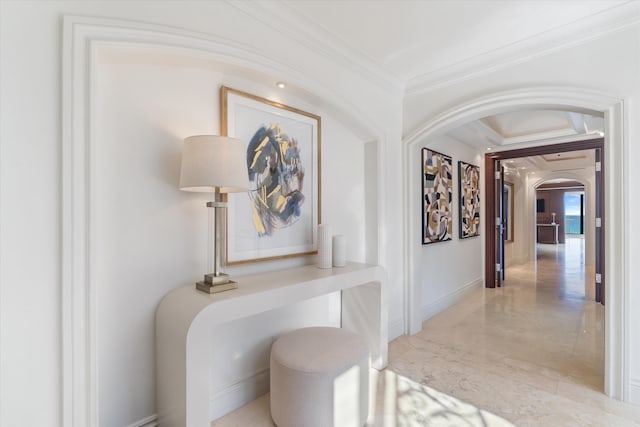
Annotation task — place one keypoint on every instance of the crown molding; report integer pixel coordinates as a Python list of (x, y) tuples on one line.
[(315, 38), (574, 34)]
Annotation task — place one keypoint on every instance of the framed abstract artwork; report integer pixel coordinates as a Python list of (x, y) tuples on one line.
[(469, 191), (279, 216), (437, 171)]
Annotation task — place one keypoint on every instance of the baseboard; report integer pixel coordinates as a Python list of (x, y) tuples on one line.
[(150, 421), (634, 392), (396, 329), (517, 261), (446, 301), (236, 395)]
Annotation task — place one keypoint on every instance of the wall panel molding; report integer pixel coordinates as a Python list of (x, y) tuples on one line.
[(83, 39)]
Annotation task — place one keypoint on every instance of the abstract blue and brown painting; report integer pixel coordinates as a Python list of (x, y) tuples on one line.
[(276, 176), (278, 217), (469, 190), (437, 171)]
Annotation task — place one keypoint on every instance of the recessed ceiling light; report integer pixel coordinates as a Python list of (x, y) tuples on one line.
[(281, 85), (489, 148)]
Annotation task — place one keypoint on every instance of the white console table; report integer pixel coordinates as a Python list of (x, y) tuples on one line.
[(185, 317)]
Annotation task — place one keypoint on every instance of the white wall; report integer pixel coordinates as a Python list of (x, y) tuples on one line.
[(447, 270), (147, 237), (150, 237), (30, 261), (608, 63)]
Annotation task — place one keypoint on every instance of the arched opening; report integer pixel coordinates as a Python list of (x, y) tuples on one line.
[(570, 233), (616, 377), (90, 46)]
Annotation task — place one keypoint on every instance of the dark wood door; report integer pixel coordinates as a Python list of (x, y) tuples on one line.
[(494, 245)]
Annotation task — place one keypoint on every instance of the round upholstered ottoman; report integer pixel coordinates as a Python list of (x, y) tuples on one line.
[(319, 377)]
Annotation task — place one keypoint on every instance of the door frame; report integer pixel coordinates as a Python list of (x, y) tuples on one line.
[(617, 182), (490, 161)]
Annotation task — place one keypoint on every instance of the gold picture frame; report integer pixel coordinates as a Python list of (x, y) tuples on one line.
[(278, 218)]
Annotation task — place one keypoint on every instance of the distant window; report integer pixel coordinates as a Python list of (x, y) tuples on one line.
[(574, 212), (540, 205)]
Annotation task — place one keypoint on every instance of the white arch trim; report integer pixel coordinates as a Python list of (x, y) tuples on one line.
[(589, 188), (83, 37), (616, 243)]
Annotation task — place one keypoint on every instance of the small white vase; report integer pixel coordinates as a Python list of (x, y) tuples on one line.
[(324, 246), (339, 250)]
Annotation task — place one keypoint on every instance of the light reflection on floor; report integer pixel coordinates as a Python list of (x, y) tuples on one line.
[(531, 353)]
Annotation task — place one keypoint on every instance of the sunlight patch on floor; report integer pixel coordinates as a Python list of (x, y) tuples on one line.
[(410, 404)]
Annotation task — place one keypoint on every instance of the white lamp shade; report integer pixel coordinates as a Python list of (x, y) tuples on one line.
[(211, 161)]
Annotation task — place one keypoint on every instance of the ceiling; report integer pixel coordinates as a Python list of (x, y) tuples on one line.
[(568, 162), (409, 39), (416, 42)]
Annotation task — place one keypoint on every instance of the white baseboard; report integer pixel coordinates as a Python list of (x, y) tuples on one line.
[(236, 395), (150, 421), (517, 261), (634, 391), (396, 329), (446, 301)]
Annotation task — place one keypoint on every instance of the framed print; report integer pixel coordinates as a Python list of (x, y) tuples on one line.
[(436, 196), (279, 216), (469, 190)]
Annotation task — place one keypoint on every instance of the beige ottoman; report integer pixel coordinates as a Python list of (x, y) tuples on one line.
[(319, 377)]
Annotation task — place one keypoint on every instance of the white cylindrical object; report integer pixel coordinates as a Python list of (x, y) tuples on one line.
[(319, 376), (339, 251), (324, 246)]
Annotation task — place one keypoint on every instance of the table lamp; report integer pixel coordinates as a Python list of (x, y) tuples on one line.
[(215, 164)]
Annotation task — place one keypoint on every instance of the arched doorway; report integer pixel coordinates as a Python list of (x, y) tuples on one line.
[(572, 198), (616, 377)]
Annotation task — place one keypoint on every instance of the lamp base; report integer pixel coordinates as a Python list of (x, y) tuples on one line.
[(211, 288), (213, 283), (216, 279)]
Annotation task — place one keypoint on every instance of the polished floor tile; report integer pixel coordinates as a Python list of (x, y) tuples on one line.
[(528, 354)]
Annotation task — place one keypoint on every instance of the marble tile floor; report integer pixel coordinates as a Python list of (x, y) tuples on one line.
[(528, 354)]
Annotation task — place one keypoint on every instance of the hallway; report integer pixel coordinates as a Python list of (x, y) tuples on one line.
[(531, 352)]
